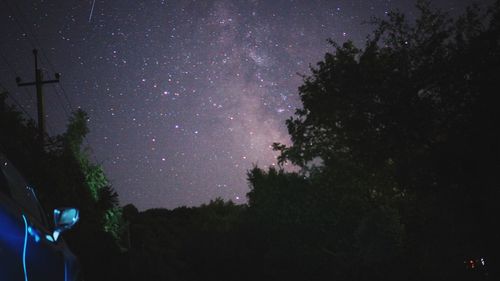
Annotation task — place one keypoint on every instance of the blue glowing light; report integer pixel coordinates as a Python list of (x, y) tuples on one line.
[(65, 271), (49, 238), (34, 234), (24, 247)]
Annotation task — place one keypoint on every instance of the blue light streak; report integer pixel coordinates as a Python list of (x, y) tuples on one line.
[(24, 247), (65, 271), (34, 234)]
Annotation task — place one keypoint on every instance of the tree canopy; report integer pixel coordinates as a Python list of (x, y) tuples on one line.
[(397, 148), (407, 128), (64, 176)]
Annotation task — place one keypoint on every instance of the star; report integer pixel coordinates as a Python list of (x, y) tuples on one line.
[(199, 94)]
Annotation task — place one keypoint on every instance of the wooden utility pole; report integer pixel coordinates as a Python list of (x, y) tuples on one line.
[(39, 96)]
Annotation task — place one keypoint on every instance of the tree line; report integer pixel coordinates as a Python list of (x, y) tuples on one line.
[(397, 145)]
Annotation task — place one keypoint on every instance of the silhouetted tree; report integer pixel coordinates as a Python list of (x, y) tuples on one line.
[(64, 176), (412, 120)]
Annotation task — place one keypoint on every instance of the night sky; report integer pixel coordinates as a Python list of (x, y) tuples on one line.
[(183, 96)]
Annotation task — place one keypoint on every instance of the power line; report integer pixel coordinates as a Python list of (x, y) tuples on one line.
[(11, 68), (59, 102), (18, 104), (15, 101), (38, 83), (8, 64), (35, 42), (53, 70), (10, 94), (45, 56)]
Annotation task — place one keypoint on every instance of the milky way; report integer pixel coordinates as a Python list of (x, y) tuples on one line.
[(183, 96)]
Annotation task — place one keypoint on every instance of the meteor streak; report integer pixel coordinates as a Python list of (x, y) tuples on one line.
[(91, 11)]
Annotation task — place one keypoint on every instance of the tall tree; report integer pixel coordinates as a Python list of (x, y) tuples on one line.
[(411, 119)]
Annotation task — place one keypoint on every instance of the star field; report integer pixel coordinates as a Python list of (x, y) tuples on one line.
[(183, 96)]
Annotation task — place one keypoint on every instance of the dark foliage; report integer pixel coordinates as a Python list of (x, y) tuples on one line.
[(398, 149), (397, 146), (63, 176), (410, 123)]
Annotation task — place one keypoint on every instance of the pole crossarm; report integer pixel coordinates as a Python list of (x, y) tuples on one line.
[(34, 83), (39, 95)]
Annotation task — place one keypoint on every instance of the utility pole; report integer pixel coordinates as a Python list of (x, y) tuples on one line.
[(38, 83)]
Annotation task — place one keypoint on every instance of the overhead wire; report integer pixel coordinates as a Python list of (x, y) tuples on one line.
[(13, 71), (18, 104), (33, 33), (9, 93), (34, 43), (49, 128)]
